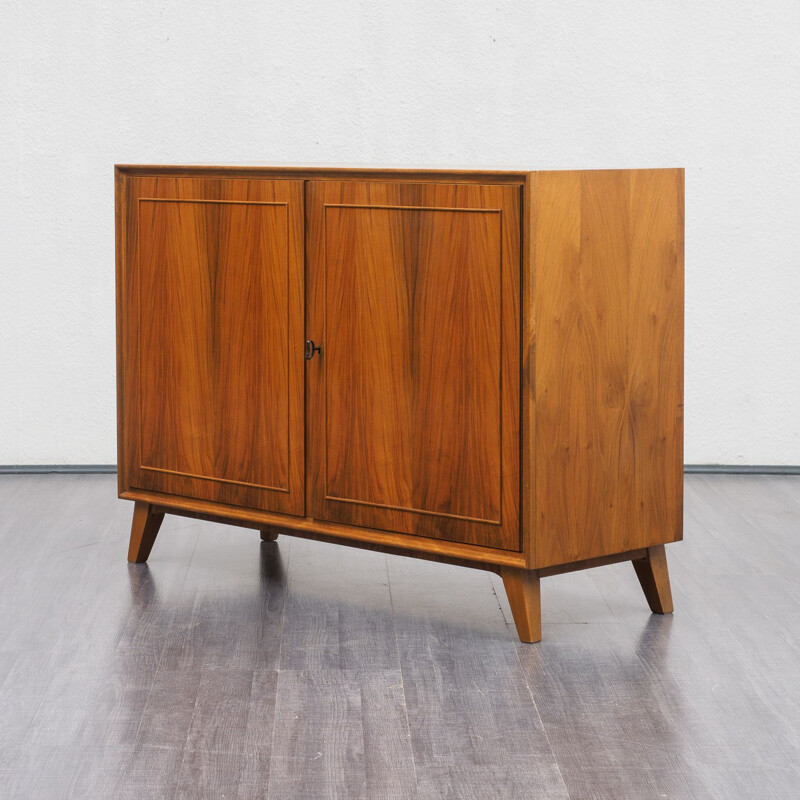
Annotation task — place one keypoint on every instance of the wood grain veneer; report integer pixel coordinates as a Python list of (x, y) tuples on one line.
[(499, 374), (607, 372), (214, 300), (414, 289)]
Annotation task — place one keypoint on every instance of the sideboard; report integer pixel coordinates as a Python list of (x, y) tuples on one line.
[(477, 367)]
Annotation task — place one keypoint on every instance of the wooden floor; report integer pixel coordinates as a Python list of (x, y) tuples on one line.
[(236, 669)]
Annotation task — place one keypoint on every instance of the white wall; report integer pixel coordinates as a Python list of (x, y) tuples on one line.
[(712, 86)]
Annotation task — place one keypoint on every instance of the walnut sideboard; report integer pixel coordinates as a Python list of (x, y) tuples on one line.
[(477, 367)]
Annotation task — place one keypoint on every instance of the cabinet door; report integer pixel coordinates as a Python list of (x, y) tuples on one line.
[(414, 402), (214, 387)]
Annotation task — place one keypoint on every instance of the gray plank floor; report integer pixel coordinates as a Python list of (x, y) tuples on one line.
[(228, 668)]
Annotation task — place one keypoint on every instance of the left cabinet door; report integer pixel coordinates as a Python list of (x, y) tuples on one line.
[(211, 339)]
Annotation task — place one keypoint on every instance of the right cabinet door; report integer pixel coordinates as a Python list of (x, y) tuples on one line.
[(413, 405)]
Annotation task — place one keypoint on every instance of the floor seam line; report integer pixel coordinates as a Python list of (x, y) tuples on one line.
[(402, 678), (278, 669), (544, 729)]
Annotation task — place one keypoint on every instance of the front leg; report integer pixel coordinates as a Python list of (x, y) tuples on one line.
[(144, 530), (522, 589)]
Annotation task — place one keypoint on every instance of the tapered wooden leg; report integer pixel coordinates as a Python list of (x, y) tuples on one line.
[(268, 534), (654, 577), (522, 589), (144, 530)]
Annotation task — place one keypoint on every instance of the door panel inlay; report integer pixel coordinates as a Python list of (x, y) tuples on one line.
[(413, 345)]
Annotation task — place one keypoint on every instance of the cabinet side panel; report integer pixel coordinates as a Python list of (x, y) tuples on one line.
[(607, 260)]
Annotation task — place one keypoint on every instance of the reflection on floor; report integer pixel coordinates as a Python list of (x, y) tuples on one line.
[(231, 668)]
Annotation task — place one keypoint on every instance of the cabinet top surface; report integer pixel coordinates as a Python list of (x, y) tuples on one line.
[(339, 172)]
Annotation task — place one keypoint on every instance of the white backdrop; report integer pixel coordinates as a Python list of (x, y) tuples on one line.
[(711, 86)]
